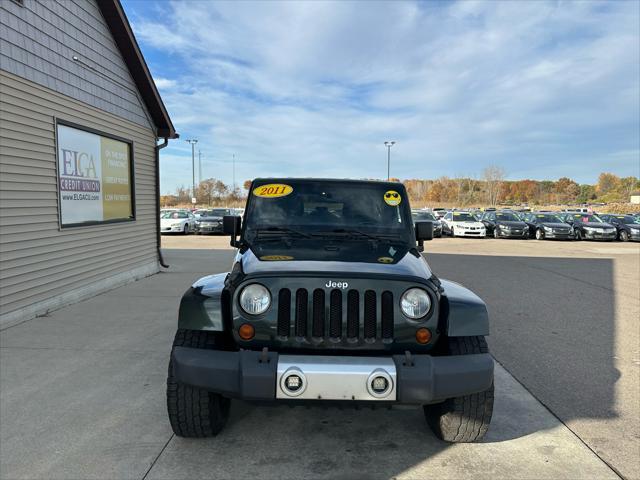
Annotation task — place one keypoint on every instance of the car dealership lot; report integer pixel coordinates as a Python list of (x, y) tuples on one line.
[(82, 390)]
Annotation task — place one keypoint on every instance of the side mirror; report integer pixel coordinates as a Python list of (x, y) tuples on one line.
[(424, 231), (231, 225)]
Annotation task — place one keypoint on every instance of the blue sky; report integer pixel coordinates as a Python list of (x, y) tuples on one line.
[(543, 89)]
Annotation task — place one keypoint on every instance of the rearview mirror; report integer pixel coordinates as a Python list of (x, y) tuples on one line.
[(231, 225), (424, 231)]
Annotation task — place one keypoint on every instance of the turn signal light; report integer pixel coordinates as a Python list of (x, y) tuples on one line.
[(246, 331), (423, 335)]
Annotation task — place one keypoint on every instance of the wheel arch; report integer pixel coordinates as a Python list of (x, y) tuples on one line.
[(464, 313)]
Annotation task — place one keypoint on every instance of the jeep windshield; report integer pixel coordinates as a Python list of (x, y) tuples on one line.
[(322, 211)]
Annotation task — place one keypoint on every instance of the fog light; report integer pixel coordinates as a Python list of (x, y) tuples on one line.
[(246, 331), (293, 382), (379, 384), (423, 335)]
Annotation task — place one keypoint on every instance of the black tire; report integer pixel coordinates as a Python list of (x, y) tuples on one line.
[(539, 234), (185, 230), (194, 412), (624, 236), (578, 235), (467, 418), (496, 234)]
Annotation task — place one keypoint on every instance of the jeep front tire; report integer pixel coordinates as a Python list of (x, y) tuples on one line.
[(194, 412), (462, 419)]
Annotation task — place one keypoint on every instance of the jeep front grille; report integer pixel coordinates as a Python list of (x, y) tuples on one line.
[(331, 318)]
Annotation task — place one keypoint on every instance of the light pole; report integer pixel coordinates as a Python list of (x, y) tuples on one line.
[(193, 142), (389, 145), (234, 174), (199, 167)]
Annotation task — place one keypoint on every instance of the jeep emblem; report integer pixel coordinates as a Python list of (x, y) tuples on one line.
[(342, 285)]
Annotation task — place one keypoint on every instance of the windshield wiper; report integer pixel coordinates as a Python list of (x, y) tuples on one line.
[(281, 230), (349, 232)]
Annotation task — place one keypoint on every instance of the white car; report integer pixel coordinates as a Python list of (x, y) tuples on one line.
[(462, 224), (177, 221)]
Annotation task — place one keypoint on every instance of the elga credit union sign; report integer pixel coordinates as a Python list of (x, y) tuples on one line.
[(94, 177)]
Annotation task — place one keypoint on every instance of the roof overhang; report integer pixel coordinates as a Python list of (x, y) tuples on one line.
[(125, 40)]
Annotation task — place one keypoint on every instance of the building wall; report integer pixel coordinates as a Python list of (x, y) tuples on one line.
[(39, 40), (41, 266)]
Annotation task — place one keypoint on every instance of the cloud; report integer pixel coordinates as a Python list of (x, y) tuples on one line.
[(545, 89), (164, 83)]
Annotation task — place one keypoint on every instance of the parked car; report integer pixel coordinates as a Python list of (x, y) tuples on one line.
[(439, 212), (198, 213), (328, 303), (628, 227), (505, 224), (425, 216), (545, 225), (590, 227), (211, 220), (177, 221), (462, 224)]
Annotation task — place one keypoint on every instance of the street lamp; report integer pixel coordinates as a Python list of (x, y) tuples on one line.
[(193, 142), (389, 145)]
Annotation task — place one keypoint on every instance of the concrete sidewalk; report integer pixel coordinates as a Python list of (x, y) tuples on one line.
[(82, 396)]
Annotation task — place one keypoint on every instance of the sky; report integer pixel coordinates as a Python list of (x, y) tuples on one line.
[(542, 89)]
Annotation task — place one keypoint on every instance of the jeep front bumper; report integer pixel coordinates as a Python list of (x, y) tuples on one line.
[(261, 376)]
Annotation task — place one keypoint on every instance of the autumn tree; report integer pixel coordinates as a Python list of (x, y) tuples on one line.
[(493, 177)]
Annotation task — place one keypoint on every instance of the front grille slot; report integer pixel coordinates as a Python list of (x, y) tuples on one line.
[(387, 315), (317, 329), (370, 314), (335, 314), (302, 310), (353, 314), (284, 312)]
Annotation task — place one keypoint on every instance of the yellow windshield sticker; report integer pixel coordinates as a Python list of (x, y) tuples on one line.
[(272, 190), (385, 260), (276, 258), (393, 198)]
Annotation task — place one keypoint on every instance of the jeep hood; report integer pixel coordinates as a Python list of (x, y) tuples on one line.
[(356, 260)]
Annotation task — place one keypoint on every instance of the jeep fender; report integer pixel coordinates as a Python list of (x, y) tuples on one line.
[(465, 314), (192, 314)]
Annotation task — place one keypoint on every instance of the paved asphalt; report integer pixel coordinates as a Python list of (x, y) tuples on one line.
[(82, 391), (567, 329)]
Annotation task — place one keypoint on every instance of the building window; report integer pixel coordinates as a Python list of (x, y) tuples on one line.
[(95, 176)]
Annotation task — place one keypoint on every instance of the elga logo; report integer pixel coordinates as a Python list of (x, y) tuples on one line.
[(78, 164), (342, 285)]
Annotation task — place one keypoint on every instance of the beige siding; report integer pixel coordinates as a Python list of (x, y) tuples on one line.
[(38, 261)]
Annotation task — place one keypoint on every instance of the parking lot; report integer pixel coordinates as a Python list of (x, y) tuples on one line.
[(82, 389)]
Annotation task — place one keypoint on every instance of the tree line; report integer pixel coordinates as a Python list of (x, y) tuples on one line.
[(490, 189)]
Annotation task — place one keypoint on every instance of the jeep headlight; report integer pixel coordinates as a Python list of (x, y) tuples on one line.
[(255, 299), (415, 303)]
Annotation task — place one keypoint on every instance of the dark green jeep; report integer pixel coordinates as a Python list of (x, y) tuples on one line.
[(329, 300)]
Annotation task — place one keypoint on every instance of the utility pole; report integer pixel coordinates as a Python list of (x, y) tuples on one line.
[(193, 142), (199, 167), (389, 145), (234, 173)]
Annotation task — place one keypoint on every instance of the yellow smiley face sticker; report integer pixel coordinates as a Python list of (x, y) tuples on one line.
[(385, 260), (276, 258), (393, 198)]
